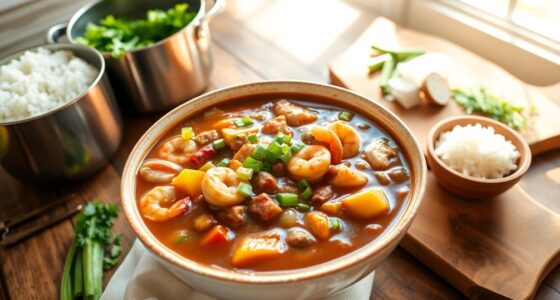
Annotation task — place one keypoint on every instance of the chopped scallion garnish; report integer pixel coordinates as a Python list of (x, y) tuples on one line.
[(252, 163), (307, 193), (303, 184), (207, 166), (303, 207), (287, 199), (273, 152), (244, 173), (345, 116), (239, 122), (259, 152), (224, 162), (252, 138), (187, 133), (335, 224), (219, 144), (296, 146), (285, 157), (245, 189), (247, 121)]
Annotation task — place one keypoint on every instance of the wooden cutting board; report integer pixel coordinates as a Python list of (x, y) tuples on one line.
[(493, 248)]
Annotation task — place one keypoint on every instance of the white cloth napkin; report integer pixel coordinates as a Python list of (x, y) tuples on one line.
[(140, 276)]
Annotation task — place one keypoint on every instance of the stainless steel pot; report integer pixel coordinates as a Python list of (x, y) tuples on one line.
[(163, 75), (70, 142)]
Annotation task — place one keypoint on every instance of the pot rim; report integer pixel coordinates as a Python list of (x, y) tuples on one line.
[(57, 47), (361, 255), (78, 14)]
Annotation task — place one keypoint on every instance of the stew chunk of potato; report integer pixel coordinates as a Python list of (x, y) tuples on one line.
[(367, 204), (258, 247)]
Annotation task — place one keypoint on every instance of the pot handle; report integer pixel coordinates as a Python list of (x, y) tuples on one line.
[(54, 33), (216, 8)]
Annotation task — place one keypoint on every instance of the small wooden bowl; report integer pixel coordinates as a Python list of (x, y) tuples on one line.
[(471, 187)]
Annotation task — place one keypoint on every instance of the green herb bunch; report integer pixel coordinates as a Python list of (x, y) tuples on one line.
[(118, 35)]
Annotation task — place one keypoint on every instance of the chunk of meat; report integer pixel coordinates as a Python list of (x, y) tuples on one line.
[(264, 182), (295, 114), (258, 247), (201, 156), (233, 216), (288, 186), (322, 194), (203, 222), (276, 125), (278, 169), (398, 175), (206, 137), (237, 142), (244, 152), (264, 207), (379, 154), (300, 238)]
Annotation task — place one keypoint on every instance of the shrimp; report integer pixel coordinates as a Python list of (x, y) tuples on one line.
[(295, 114), (348, 136), (329, 137), (176, 150), (311, 162), (219, 187), (159, 170), (345, 177), (154, 205)]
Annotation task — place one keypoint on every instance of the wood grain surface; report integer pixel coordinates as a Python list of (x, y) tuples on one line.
[(486, 248), (253, 41)]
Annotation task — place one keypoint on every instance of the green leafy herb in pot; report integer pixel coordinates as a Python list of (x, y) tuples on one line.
[(387, 62), (500, 109), (117, 35), (83, 270)]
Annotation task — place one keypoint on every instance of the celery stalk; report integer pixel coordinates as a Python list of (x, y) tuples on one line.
[(66, 281), (78, 274)]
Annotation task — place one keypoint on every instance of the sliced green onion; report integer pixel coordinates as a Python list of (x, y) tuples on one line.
[(252, 138), (279, 137), (285, 157), (207, 166), (335, 224), (287, 199), (296, 146), (259, 152), (244, 173), (345, 116), (307, 193), (239, 122), (252, 163), (224, 162), (303, 207), (187, 133), (219, 144), (267, 167), (183, 236), (287, 139), (273, 152), (245, 189), (303, 184), (247, 121)]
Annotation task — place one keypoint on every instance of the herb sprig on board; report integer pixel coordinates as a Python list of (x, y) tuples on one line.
[(493, 106), (118, 35)]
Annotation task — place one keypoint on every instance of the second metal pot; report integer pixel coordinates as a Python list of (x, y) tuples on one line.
[(160, 76)]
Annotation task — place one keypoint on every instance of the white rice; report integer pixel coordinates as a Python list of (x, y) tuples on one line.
[(477, 151), (41, 81)]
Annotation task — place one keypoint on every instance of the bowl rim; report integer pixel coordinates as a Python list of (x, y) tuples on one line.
[(386, 240), (57, 47), (525, 152)]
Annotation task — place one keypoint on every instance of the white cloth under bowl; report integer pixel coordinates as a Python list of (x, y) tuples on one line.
[(140, 276)]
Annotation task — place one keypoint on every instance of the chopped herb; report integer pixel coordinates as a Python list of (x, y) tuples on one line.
[(224, 162), (345, 116), (307, 193), (244, 173), (303, 184), (252, 163), (183, 236), (303, 207), (247, 121), (259, 152), (239, 123), (252, 138), (335, 224), (245, 189), (273, 152), (287, 199), (267, 167), (219, 144), (296, 146), (187, 133)]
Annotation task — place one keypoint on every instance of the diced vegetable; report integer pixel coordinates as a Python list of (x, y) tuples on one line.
[(252, 138), (287, 199), (239, 123), (183, 236), (259, 152), (333, 208), (267, 167), (252, 163), (224, 162), (273, 152), (247, 121), (303, 184), (189, 181), (245, 189), (230, 134), (234, 164), (282, 138), (187, 133), (307, 193), (217, 235), (318, 224), (303, 207), (219, 144), (345, 116), (207, 166), (286, 156), (296, 146), (367, 204), (225, 123), (288, 218), (335, 224), (244, 173), (258, 247), (201, 155), (203, 222)]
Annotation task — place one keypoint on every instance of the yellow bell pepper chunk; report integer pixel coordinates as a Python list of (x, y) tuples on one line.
[(257, 248), (367, 204), (188, 181), (230, 133)]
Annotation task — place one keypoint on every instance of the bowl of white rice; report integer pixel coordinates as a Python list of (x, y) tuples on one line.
[(59, 121), (476, 157)]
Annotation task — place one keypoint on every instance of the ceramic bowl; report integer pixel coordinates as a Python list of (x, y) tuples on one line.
[(470, 187), (307, 283)]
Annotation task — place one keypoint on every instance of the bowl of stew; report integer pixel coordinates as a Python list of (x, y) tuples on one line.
[(299, 187)]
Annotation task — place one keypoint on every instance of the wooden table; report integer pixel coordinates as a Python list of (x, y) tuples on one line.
[(253, 40)]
